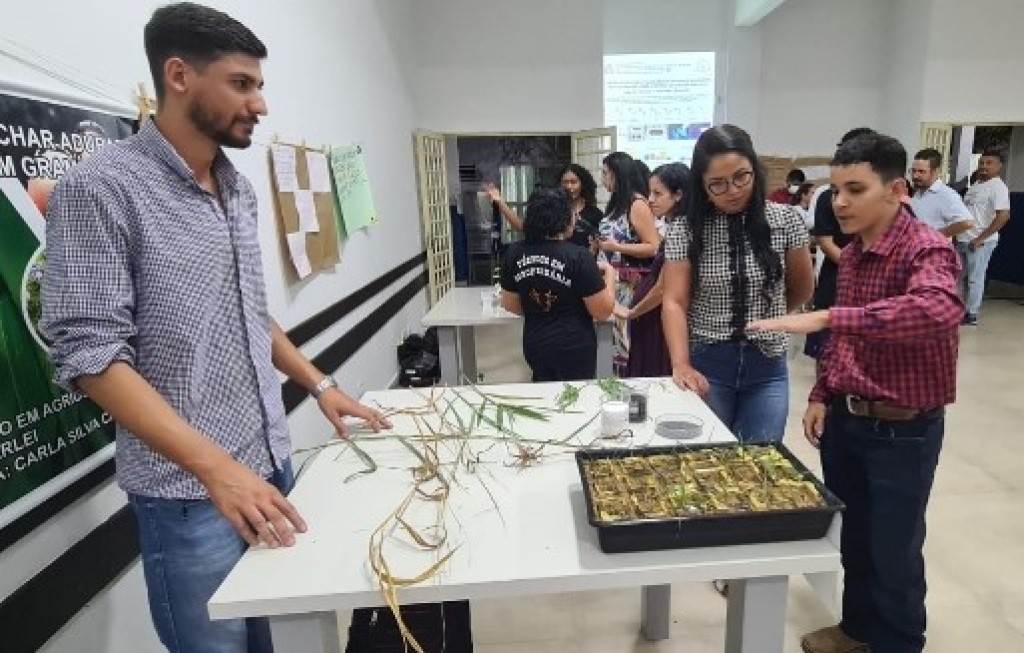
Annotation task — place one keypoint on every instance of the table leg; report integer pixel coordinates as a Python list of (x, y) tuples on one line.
[(826, 584), (448, 353), (315, 632), (655, 611), (605, 349), (467, 350), (755, 621)]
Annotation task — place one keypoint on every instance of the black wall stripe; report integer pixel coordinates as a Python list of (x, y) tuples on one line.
[(36, 517), (51, 598), (314, 326), (337, 354), (300, 334), (41, 607)]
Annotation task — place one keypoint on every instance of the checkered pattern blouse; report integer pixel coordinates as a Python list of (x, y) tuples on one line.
[(144, 266), (895, 320), (731, 292)]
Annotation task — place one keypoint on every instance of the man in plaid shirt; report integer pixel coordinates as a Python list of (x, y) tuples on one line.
[(877, 409)]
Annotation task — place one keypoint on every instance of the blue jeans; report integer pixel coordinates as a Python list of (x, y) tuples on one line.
[(188, 548), (975, 270), (749, 391), (883, 472)]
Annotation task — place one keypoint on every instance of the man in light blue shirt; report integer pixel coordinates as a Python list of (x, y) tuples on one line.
[(936, 204)]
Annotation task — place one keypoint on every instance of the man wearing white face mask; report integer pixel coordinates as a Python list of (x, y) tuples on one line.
[(785, 194)]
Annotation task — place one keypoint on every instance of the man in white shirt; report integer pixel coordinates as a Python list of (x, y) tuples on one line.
[(989, 204), (934, 203)]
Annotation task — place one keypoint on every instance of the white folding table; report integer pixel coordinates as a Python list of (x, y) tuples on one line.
[(518, 532), (463, 309)]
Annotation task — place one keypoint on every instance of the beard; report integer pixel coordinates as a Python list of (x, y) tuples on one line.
[(207, 122)]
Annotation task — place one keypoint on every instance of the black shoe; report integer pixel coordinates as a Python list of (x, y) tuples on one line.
[(971, 320)]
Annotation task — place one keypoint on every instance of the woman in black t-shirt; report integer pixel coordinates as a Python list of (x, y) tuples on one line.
[(560, 290), (579, 184)]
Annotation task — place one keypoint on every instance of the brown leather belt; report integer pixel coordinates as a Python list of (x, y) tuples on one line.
[(859, 407)]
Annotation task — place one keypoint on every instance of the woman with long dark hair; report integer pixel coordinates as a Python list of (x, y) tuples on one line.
[(648, 355), (579, 185), (735, 258), (629, 238), (559, 288)]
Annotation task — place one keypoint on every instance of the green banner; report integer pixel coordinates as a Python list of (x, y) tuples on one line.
[(45, 431)]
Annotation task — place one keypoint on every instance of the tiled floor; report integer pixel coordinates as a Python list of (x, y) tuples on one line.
[(975, 538)]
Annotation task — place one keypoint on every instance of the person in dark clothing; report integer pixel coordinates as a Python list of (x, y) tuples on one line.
[(648, 353), (581, 188), (559, 288), (830, 240)]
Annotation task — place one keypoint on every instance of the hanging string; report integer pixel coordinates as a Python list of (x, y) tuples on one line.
[(59, 70)]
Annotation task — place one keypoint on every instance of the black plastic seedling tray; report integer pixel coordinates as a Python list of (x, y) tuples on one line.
[(707, 530)]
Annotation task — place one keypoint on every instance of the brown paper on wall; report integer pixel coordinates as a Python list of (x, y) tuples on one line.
[(322, 249)]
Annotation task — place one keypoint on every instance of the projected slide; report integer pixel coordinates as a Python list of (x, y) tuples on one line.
[(660, 103)]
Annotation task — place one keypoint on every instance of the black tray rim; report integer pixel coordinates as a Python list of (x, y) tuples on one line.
[(832, 503)]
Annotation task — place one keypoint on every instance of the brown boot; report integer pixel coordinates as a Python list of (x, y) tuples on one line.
[(831, 640)]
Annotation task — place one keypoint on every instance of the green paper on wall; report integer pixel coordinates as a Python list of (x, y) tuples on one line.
[(352, 188)]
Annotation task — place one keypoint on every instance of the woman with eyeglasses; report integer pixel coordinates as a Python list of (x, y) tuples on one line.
[(735, 258)]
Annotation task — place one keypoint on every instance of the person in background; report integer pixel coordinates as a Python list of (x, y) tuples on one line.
[(877, 410), (802, 203), (735, 258), (830, 240), (936, 204), (581, 188), (154, 302), (629, 238), (785, 194), (560, 290), (988, 200), (643, 174), (648, 354)]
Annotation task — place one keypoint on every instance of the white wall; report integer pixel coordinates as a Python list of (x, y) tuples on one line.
[(907, 39), (974, 62), (821, 63), (492, 65), (338, 73)]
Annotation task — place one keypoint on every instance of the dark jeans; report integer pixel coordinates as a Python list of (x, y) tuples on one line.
[(883, 472), (188, 548), (577, 364)]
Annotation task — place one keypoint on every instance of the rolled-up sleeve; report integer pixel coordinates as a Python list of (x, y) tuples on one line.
[(87, 290)]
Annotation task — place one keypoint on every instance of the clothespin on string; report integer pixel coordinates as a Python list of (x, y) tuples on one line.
[(145, 103)]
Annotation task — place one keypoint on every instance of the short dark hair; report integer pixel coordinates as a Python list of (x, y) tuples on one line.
[(884, 154), (199, 35), (854, 133), (931, 155), (796, 176), (996, 152), (548, 214)]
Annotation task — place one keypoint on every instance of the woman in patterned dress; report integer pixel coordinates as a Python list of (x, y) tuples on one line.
[(629, 238)]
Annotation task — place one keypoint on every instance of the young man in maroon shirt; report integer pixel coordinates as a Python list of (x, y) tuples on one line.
[(877, 409)]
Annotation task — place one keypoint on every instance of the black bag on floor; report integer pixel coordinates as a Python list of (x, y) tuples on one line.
[(438, 627)]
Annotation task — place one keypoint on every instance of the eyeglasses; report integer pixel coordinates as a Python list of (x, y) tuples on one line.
[(740, 179)]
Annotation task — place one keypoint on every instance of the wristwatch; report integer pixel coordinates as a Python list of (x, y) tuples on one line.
[(325, 384)]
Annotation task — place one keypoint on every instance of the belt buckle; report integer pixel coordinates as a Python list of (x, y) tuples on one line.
[(849, 404)]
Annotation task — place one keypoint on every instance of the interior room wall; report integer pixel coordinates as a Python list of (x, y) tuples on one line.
[(337, 73), (493, 66)]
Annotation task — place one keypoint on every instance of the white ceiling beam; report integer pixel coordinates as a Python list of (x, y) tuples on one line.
[(750, 12)]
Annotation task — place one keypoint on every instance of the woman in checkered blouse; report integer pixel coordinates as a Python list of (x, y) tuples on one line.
[(736, 258)]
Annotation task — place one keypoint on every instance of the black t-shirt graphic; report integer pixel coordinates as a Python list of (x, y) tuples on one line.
[(551, 279)]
